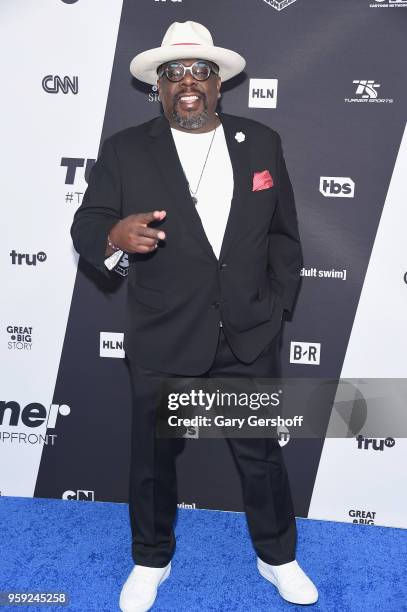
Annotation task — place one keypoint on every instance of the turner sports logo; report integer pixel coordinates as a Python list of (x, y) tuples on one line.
[(279, 5), (20, 337), (389, 4), (33, 415), (27, 259), (366, 92), (362, 517), (374, 443)]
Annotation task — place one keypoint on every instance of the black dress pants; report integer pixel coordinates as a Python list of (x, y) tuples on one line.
[(153, 484)]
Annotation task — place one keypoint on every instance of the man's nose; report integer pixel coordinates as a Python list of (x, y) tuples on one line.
[(188, 78)]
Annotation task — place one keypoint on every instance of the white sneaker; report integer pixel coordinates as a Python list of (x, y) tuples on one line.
[(140, 589), (291, 581)]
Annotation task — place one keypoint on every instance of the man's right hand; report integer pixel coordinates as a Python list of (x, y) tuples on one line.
[(133, 235)]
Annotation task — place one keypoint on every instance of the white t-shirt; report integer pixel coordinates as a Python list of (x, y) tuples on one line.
[(216, 187)]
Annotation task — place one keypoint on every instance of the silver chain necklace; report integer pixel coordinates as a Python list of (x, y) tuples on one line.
[(193, 193)]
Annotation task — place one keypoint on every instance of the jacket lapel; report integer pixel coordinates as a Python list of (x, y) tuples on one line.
[(163, 150), (239, 157)]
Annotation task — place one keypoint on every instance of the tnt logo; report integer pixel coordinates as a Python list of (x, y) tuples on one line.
[(20, 259), (112, 345), (307, 353), (336, 187), (263, 93), (54, 84), (79, 495), (72, 163), (374, 443)]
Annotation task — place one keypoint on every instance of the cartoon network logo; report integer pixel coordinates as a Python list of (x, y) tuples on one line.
[(263, 93), (112, 345), (79, 495), (279, 5)]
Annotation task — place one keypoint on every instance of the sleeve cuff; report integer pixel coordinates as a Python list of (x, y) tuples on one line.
[(113, 260)]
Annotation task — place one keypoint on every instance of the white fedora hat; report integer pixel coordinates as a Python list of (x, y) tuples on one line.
[(186, 40)]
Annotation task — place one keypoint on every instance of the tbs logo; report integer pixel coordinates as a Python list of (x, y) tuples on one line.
[(79, 495), (336, 187), (26, 258)]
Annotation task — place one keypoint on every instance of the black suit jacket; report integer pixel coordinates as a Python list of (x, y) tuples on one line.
[(178, 294)]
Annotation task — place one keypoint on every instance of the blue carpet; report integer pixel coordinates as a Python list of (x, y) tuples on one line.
[(83, 548)]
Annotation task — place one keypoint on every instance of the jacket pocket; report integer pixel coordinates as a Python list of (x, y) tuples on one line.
[(153, 299)]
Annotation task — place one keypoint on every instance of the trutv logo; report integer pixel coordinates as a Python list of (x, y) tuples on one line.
[(374, 443), (27, 259)]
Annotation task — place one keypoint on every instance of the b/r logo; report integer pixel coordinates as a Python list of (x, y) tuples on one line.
[(25, 258)]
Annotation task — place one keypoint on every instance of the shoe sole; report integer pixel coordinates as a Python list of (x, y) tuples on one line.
[(271, 579), (150, 604)]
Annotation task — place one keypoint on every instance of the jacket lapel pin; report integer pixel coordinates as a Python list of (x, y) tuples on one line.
[(240, 136), (262, 180)]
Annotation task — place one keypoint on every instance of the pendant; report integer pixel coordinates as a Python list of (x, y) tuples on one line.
[(194, 199)]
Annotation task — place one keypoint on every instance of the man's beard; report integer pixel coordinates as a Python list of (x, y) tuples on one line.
[(193, 121)]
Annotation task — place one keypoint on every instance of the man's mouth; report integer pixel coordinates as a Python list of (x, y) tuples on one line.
[(189, 101)]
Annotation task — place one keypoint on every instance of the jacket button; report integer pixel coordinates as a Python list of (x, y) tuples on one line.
[(215, 304), (223, 266)]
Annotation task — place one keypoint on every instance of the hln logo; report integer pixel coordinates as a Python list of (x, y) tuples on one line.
[(79, 495), (54, 84), (336, 187), (111, 344), (308, 353), (374, 443), (263, 93)]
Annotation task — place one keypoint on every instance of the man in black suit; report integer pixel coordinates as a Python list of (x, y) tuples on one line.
[(203, 204)]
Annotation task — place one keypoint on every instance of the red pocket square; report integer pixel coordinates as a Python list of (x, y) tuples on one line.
[(262, 180)]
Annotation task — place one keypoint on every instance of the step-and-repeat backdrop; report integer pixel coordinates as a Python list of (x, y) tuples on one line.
[(328, 76)]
